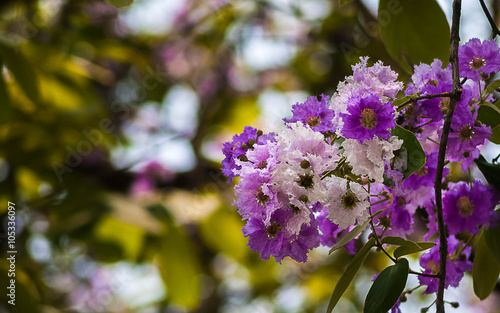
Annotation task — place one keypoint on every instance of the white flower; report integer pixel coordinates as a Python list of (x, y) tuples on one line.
[(348, 202), (367, 158)]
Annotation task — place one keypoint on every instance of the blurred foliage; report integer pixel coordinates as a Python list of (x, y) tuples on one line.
[(76, 78)]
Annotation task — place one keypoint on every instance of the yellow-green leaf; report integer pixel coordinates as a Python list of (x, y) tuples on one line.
[(22, 70), (179, 268)]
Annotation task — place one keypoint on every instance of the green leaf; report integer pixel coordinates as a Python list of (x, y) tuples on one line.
[(393, 240), (415, 154), (350, 236), (348, 275), (412, 247), (414, 31), (387, 288), (179, 268), (489, 114), (22, 70), (121, 3), (490, 88), (406, 246), (485, 269), (490, 171), (495, 135), (492, 237), (343, 2)]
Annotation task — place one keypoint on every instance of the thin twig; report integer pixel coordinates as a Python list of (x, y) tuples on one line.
[(415, 99), (424, 274), (455, 96), (494, 28)]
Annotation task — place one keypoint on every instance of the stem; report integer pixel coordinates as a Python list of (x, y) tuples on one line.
[(377, 239), (455, 96), (494, 28)]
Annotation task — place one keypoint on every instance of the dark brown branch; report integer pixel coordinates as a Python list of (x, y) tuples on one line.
[(493, 25), (455, 96)]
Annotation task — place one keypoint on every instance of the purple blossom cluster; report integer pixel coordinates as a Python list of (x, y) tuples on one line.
[(337, 162)]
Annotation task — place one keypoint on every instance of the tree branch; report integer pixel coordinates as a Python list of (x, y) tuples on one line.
[(493, 25), (455, 96)]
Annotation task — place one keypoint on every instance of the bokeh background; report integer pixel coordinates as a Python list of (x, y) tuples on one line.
[(111, 127)]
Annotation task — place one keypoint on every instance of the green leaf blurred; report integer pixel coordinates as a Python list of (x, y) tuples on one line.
[(492, 239), (23, 71), (222, 232), (489, 114), (414, 31), (121, 3), (490, 171), (179, 267), (485, 270)]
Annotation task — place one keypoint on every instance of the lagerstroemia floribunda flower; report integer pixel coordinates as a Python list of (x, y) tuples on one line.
[(475, 58), (336, 162)]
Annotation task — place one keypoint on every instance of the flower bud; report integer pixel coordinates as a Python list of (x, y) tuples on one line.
[(251, 142), (305, 164), (455, 305), (259, 133)]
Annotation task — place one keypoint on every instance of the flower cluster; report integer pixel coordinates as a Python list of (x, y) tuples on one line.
[(347, 159)]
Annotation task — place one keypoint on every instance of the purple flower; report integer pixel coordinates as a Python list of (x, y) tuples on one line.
[(147, 178), (274, 240), (463, 143), (313, 113), (475, 58), (378, 78), (297, 246), (239, 146), (455, 266), (433, 74), (427, 80), (396, 220), (368, 117), (465, 207), (256, 196), (262, 159), (264, 239)]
